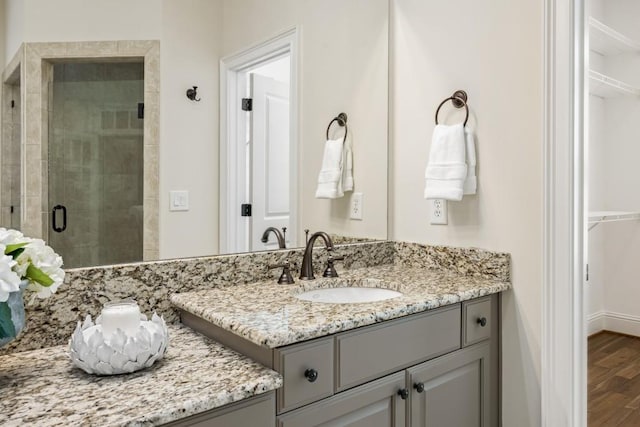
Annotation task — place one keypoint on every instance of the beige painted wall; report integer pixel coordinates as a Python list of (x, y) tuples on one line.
[(343, 67), (494, 53), (187, 30), (3, 36)]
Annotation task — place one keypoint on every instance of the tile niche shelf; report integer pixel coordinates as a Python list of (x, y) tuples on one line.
[(599, 217)]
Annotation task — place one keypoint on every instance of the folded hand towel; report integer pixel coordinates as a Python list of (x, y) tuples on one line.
[(447, 168), (347, 166), (470, 182), (330, 177)]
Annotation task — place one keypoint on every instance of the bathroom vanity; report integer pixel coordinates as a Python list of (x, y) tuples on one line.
[(429, 357)]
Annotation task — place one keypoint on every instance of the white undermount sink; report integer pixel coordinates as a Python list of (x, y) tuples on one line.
[(348, 295)]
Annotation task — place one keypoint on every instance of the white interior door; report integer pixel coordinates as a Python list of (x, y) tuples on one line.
[(270, 159)]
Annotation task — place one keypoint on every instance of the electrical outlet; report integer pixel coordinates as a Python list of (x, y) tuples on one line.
[(439, 212), (356, 206)]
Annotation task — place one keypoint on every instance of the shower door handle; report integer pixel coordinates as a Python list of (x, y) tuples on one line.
[(54, 218)]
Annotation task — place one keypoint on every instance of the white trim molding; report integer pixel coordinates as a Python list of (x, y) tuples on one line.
[(614, 322), (596, 322), (563, 382), (230, 189)]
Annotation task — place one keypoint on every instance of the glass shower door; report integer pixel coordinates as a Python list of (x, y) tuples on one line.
[(95, 163)]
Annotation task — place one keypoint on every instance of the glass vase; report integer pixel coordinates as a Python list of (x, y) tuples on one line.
[(12, 316)]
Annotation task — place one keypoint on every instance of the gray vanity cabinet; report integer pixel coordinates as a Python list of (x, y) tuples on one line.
[(369, 376), (452, 390), (375, 404), (259, 411)]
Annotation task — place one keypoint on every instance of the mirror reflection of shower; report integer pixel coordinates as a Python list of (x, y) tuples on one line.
[(95, 162)]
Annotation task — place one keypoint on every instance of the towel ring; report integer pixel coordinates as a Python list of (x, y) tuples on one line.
[(342, 121), (459, 100)]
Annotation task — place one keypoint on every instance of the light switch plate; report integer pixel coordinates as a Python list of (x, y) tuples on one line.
[(178, 200)]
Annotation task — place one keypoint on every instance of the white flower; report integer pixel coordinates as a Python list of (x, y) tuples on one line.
[(44, 258), (11, 237), (9, 280)]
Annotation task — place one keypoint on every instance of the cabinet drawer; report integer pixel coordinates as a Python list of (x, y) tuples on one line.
[(298, 365), (363, 355), (477, 320)]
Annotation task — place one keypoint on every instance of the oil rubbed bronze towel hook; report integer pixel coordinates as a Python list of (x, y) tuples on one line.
[(192, 94), (342, 121), (459, 100)]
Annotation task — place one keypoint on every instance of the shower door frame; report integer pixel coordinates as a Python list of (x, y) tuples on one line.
[(36, 75)]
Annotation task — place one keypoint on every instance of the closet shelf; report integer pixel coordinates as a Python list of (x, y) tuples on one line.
[(598, 217), (608, 87), (607, 41)]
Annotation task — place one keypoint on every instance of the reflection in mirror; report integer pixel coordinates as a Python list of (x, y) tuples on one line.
[(279, 72)]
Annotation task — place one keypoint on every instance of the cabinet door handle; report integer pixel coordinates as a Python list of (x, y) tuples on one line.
[(311, 375), (482, 321), (419, 387), (403, 393)]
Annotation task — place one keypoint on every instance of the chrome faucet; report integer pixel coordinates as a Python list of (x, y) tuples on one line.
[(306, 271), (279, 236)]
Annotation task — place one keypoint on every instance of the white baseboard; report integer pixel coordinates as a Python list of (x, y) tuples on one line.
[(595, 322), (614, 322)]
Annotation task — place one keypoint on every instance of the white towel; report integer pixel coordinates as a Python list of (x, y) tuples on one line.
[(347, 166), (447, 168), (330, 177), (470, 182)]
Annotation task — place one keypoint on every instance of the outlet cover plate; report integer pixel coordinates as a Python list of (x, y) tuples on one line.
[(356, 206), (438, 214)]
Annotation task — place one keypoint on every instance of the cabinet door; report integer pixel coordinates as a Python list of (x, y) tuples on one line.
[(258, 411), (456, 389), (375, 404)]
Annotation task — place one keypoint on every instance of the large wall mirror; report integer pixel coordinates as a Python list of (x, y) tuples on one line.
[(285, 71)]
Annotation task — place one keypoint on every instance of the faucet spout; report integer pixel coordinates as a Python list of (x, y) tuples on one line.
[(279, 237), (306, 271)]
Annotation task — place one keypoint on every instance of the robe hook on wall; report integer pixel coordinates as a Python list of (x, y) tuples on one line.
[(193, 93)]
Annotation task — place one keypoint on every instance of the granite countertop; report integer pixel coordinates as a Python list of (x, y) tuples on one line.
[(42, 388), (269, 315)]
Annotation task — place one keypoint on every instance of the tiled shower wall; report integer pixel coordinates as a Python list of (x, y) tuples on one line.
[(96, 161), (10, 159)]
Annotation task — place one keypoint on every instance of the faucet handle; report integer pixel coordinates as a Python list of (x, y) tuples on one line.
[(285, 277), (330, 271)]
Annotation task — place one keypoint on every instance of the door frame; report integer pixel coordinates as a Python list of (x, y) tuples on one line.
[(36, 61), (564, 339), (231, 67)]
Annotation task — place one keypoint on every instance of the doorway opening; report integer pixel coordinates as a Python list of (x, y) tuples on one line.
[(258, 178)]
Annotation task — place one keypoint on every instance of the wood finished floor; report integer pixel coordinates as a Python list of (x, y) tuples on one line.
[(613, 380)]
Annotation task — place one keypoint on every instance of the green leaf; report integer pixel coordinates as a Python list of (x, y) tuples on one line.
[(15, 254), (7, 329), (17, 247), (35, 274)]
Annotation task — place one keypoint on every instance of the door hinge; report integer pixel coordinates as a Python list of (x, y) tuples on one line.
[(141, 110), (245, 209), (13, 103), (587, 273), (247, 104)]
